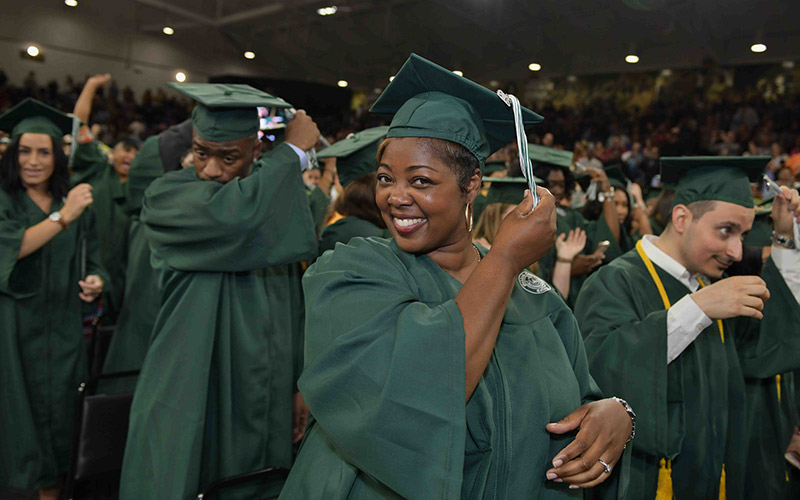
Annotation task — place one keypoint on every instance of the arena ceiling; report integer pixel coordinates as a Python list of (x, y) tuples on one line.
[(366, 41)]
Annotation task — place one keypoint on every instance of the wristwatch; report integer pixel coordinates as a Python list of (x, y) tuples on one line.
[(631, 414), (605, 195), (783, 241), (56, 217)]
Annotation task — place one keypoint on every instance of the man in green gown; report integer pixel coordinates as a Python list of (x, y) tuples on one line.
[(678, 347), (108, 178), (126, 352), (355, 157), (214, 397)]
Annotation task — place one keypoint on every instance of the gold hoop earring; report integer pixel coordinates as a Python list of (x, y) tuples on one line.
[(468, 214)]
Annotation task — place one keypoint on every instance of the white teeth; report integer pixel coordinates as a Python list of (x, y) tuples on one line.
[(407, 222)]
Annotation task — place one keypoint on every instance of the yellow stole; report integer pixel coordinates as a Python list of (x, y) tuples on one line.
[(664, 490)]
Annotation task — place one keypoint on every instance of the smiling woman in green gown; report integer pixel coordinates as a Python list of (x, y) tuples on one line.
[(435, 369), (49, 262)]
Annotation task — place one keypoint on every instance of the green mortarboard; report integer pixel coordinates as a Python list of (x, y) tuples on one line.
[(225, 111), (616, 177), (494, 166), (34, 117), (357, 154), (510, 190), (543, 155), (427, 100), (720, 178)]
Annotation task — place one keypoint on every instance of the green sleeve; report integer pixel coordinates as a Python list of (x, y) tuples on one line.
[(87, 162), (18, 278), (145, 168), (380, 366), (627, 355), (770, 346), (599, 231), (93, 260), (249, 223), (318, 203)]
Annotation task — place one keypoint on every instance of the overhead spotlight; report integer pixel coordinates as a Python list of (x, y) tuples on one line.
[(631, 59), (180, 77), (391, 78), (71, 3), (342, 83), (534, 66), (167, 30), (459, 73), (32, 51), (327, 11), (758, 48), (249, 55)]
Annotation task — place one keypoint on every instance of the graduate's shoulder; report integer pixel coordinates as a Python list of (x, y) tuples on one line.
[(171, 180), (619, 270), (362, 256)]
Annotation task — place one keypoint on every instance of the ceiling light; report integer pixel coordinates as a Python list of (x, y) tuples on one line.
[(32, 50), (788, 64), (342, 83), (572, 78), (459, 73), (758, 47), (391, 78), (631, 59), (534, 66), (494, 83), (180, 76), (167, 30), (327, 11), (249, 55), (71, 3)]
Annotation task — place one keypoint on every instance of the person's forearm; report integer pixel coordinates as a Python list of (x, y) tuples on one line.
[(482, 301), (83, 106), (610, 215), (326, 182), (35, 237), (561, 277)]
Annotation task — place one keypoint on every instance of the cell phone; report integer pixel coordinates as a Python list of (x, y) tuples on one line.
[(772, 186), (602, 247)]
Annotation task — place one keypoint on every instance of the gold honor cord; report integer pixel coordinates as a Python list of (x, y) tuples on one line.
[(664, 490)]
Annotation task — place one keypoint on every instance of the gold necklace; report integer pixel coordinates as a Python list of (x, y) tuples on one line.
[(477, 253)]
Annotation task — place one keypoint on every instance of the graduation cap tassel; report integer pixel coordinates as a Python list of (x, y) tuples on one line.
[(522, 143)]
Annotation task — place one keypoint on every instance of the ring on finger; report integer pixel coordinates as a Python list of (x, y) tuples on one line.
[(606, 467)]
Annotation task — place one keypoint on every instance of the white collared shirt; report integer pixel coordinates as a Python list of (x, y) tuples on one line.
[(685, 319)]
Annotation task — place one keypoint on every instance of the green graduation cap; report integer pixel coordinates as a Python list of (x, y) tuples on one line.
[(34, 117), (760, 235), (616, 177), (357, 154), (427, 100), (544, 155), (510, 190), (720, 178), (225, 111)]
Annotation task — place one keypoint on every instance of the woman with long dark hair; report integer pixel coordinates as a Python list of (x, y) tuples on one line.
[(49, 258)]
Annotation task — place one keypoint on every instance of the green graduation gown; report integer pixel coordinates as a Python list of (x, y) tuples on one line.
[(318, 203), (343, 230), (384, 381), (567, 219), (113, 221), (42, 349), (214, 396), (691, 411)]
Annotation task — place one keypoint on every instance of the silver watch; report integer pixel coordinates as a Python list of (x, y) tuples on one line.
[(631, 414), (57, 218), (783, 241)]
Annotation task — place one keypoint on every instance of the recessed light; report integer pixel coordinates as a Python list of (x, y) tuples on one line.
[(631, 59), (180, 76), (167, 30), (32, 50), (249, 55), (391, 78), (534, 66), (458, 72), (71, 3), (327, 11), (758, 47), (342, 83)]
